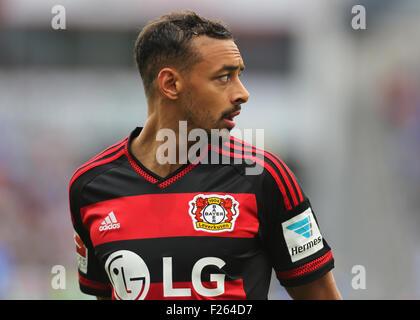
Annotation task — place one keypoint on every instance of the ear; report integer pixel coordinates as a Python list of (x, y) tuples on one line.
[(169, 83)]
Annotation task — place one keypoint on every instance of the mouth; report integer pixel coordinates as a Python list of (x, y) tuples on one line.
[(229, 118)]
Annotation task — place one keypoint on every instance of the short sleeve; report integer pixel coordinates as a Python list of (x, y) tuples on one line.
[(92, 277), (289, 229)]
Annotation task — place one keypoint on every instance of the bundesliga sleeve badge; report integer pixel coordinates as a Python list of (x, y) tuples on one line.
[(214, 213), (302, 235), (81, 253)]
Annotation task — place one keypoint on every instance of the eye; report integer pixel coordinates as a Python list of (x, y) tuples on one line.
[(224, 78)]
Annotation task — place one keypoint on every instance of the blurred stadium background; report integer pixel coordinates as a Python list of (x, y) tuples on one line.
[(340, 106)]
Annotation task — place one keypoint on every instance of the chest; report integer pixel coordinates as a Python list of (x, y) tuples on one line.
[(185, 238), (152, 216)]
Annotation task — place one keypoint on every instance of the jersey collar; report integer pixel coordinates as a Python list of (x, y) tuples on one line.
[(161, 182)]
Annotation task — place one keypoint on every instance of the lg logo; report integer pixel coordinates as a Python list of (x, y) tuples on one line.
[(130, 277), (128, 274)]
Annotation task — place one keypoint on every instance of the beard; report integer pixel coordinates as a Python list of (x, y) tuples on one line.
[(198, 119)]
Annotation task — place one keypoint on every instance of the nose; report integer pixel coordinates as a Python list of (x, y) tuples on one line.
[(240, 95)]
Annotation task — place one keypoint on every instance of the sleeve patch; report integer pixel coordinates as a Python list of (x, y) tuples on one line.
[(302, 235), (81, 254)]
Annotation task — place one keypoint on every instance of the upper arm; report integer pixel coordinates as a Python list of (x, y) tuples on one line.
[(289, 229), (92, 277), (324, 288)]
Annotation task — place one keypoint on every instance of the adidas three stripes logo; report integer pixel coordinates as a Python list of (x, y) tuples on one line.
[(109, 223)]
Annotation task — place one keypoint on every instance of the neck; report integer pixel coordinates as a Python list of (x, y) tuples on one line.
[(162, 145)]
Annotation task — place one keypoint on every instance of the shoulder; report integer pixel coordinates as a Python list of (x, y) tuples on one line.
[(275, 174), (96, 165)]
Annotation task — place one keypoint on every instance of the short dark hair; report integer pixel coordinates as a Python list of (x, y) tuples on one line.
[(166, 42)]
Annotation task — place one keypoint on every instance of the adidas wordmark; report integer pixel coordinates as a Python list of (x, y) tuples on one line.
[(109, 223)]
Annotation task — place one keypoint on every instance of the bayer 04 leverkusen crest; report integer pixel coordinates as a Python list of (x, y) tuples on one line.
[(214, 213)]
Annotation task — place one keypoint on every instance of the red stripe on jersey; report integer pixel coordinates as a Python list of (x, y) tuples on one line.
[(261, 163), (241, 141), (283, 174), (104, 153), (290, 174), (162, 215), (279, 160), (95, 164), (108, 150), (234, 290), (307, 268), (94, 284)]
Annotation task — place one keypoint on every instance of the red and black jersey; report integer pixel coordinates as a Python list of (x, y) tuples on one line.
[(206, 231)]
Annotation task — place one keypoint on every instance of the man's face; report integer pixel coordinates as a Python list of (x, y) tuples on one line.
[(214, 92)]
